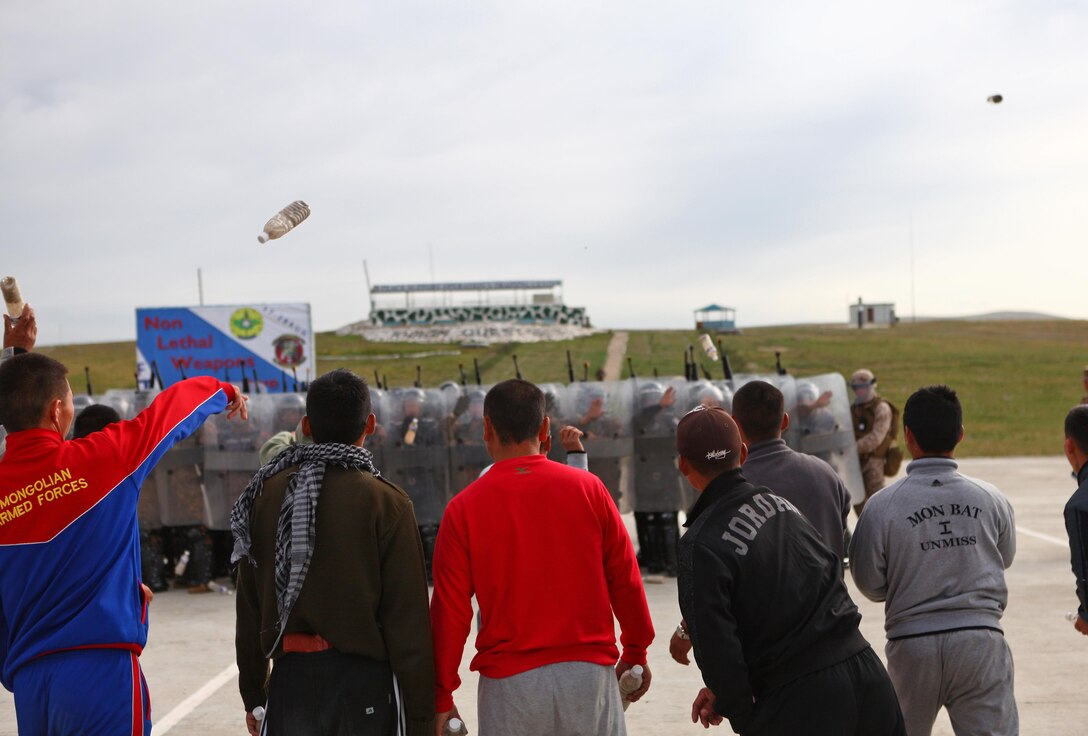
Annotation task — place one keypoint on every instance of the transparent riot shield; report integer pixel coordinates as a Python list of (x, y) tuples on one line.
[(556, 411), (231, 454), (468, 454), (179, 482), (603, 411), (786, 384), (376, 442), (416, 450), (658, 406), (708, 394), (820, 425)]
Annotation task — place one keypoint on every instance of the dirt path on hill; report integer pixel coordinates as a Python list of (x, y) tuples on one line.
[(617, 349)]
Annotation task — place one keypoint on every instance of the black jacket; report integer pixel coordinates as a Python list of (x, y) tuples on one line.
[(762, 596), (1076, 526)]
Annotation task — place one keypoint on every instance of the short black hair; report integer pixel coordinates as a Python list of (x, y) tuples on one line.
[(934, 416), (1076, 427), (28, 383), (338, 405), (758, 408), (94, 418), (516, 410)]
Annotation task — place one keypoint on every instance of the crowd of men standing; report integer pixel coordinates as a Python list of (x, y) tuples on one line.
[(337, 633)]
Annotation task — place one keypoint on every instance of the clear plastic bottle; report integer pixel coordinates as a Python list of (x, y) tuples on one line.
[(630, 681), (410, 435), (286, 219), (218, 588), (1071, 616), (13, 297), (258, 715), (708, 347), (183, 562), (455, 727)]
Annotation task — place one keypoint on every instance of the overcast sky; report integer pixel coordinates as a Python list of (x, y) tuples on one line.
[(653, 156)]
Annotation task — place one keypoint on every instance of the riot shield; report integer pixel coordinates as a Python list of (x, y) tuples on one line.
[(231, 453), (602, 410), (820, 425), (708, 394), (555, 410), (375, 443), (786, 384), (415, 449), (468, 454), (658, 406)]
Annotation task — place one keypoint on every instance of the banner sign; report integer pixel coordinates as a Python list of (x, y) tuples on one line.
[(270, 343)]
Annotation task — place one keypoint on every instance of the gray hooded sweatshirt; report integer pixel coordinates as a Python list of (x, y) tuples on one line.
[(934, 546)]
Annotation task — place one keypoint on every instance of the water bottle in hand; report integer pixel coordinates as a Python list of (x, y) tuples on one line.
[(630, 681), (455, 727), (13, 298)]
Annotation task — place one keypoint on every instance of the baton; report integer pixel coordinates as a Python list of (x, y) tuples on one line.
[(517, 371), (87, 374)]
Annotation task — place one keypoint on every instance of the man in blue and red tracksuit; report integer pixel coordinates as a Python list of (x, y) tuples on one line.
[(73, 617)]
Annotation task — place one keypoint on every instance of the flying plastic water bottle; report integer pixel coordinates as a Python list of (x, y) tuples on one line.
[(410, 435), (708, 347), (183, 562), (287, 218), (455, 727), (13, 298), (630, 681)]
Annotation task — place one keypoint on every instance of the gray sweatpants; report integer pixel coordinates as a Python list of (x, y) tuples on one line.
[(568, 698), (969, 672)]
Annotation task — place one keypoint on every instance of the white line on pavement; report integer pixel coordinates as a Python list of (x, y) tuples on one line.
[(1040, 535), (193, 702)]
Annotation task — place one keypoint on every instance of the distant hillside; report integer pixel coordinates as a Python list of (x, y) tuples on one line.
[(992, 317), (1017, 378)]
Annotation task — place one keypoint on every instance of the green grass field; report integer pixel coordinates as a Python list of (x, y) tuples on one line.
[(1016, 379)]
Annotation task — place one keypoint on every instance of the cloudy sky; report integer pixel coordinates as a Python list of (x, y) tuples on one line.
[(655, 156)]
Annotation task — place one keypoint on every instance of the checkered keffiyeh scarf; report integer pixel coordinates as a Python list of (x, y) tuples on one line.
[(296, 529)]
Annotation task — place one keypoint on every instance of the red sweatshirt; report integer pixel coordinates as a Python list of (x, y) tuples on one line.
[(545, 552)]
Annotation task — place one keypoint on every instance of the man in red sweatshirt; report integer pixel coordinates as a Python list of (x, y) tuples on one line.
[(545, 551)]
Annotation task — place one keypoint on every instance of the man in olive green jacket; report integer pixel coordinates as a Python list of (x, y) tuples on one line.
[(342, 608)]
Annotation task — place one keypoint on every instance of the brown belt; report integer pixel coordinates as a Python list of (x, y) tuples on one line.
[(304, 643)]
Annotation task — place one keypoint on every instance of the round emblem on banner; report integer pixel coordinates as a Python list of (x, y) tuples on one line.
[(246, 323), (290, 350)]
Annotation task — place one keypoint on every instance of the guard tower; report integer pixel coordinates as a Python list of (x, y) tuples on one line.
[(714, 317), (519, 302)]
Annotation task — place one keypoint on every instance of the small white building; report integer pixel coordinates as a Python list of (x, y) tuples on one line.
[(864, 315)]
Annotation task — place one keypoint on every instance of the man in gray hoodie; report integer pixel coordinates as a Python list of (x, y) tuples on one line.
[(934, 547)]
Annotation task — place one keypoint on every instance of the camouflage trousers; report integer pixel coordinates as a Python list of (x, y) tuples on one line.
[(872, 473)]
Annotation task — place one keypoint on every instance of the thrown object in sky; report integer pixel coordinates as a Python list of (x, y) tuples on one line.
[(13, 298), (995, 99), (287, 218)]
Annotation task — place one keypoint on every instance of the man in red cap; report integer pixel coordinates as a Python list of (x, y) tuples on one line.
[(775, 633)]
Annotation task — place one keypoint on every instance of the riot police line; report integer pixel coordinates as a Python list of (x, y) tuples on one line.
[(429, 441)]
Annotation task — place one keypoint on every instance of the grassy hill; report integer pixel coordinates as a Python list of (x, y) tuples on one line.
[(1016, 378)]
